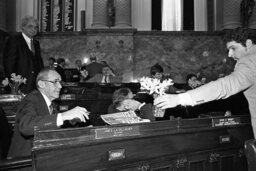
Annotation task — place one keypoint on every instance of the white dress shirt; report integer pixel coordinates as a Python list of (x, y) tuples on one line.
[(59, 121), (28, 41)]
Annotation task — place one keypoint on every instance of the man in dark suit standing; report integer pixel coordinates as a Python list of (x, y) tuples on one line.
[(36, 109), (94, 67), (22, 54)]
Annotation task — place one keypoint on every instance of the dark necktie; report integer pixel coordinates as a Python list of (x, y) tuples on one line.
[(51, 109), (32, 47), (106, 79)]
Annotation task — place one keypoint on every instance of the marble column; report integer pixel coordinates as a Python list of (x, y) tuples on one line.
[(231, 14), (123, 14), (100, 19), (252, 22), (141, 15), (200, 13)]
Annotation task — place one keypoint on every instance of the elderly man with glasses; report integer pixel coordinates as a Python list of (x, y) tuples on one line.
[(36, 110)]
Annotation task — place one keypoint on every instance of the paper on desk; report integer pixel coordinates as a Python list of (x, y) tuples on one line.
[(128, 117)]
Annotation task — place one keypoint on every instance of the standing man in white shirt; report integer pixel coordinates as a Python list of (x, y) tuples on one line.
[(22, 54), (241, 47)]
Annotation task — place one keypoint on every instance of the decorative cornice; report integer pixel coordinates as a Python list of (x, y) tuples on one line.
[(126, 32), (179, 33)]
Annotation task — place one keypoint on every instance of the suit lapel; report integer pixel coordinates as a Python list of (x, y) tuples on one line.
[(25, 45), (44, 106)]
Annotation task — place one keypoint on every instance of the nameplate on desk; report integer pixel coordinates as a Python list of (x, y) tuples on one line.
[(219, 122), (67, 97), (125, 131)]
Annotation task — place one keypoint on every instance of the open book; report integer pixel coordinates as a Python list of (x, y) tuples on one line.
[(128, 117)]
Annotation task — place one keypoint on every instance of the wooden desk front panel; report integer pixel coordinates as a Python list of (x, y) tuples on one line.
[(191, 149)]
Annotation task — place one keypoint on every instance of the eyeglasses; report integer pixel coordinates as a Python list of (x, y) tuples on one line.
[(55, 82)]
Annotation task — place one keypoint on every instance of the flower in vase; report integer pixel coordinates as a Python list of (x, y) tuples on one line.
[(14, 82), (155, 86)]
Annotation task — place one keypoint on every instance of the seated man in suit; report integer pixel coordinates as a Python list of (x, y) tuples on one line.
[(157, 72), (77, 73), (123, 101), (107, 76), (36, 110), (192, 82)]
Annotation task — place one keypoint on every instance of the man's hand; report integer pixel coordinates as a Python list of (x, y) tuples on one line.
[(77, 112), (131, 104), (167, 101), (111, 73)]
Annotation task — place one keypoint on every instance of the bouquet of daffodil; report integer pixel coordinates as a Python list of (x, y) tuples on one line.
[(155, 86), (14, 82)]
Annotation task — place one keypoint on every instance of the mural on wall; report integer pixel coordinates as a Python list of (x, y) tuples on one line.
[(131, 56), (182, 55), (116, 50)]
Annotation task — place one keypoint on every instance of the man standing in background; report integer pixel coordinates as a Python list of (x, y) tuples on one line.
[(22, 54), (94, 67)]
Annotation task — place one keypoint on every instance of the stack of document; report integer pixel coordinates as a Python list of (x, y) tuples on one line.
[(128, 117)]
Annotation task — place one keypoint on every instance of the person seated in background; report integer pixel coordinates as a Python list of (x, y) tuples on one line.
[(52, 63), (107, 76), (77, 75), (157, 72), (123, 101), (94, 67), (60, 68), (192, 82), (105, 63), (36, 109)]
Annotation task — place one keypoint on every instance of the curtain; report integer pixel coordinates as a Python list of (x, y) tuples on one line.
[(172, 11)]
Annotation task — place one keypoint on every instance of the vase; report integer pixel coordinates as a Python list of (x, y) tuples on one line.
[(157, 112), (15, 90)]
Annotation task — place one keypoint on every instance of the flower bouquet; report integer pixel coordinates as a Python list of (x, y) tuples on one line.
[(156, 88), (14, 83)]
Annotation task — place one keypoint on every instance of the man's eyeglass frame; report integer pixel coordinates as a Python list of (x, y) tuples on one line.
[(55, 82)]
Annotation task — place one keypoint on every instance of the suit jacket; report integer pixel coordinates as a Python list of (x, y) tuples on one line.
[(77, 73), (19, 59), (98, 78), (94, 68), (61, 71), (32, 111), (242, 79), (145, 111)]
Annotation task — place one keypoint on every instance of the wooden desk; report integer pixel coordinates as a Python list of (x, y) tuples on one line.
[(206, 144), (9, 103)]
